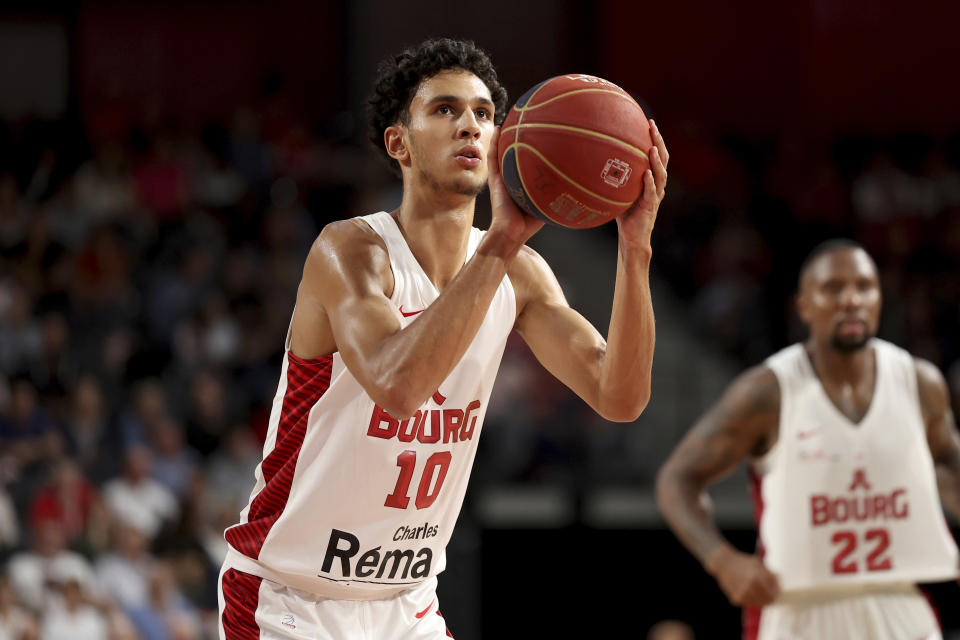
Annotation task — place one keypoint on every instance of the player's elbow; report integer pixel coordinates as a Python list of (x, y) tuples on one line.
[(397, 401), (665, 488), (627, 409)]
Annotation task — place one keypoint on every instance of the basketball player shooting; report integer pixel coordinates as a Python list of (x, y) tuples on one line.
[(399, 326), (846, 435)]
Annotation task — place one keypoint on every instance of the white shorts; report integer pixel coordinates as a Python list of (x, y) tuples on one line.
[(895, 612), (252, 607)]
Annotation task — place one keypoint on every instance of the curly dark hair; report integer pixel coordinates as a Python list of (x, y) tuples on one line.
[(398, 78)]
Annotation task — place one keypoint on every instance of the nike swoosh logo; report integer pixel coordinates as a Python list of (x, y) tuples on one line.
[(424, 612), (407, 314)]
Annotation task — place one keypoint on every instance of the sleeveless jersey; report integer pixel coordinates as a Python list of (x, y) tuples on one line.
[(350, 503), (842, 503)]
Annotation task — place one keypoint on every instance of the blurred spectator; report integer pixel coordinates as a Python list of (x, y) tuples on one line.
[(231, 468), (174, 462), (27, 432), (32, 573), (72, 616), (148, 407), (211, 336), (72, 503), (123, 573), (175, 293), (209, 415), (103, 188), (136, 498), (92, 436), (166, 614), (54, 369), (15, 622), (21, 340)]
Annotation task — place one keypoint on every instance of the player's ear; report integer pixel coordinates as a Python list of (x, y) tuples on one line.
[(395, 141)]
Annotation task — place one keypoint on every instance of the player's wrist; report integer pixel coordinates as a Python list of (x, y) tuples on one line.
[(717, 558), (497, 243)]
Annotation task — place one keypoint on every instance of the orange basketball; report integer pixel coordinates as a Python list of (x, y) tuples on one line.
[(573, 151)]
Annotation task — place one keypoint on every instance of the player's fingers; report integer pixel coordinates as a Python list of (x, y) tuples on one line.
[(770, 583), (659, 143), (649, 198), (493, 157), (659, 172)]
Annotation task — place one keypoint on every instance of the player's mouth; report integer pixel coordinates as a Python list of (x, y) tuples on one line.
[(848, 326), (469, 156)]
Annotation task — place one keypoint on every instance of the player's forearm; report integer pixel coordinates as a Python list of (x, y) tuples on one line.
[(416, 360), (685, 507), (626, 369)]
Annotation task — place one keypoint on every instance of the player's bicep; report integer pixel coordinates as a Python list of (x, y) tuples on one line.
[(562, 340), (942, 436), (741, 424)]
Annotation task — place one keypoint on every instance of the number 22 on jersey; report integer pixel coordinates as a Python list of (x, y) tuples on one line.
[(876, 540)]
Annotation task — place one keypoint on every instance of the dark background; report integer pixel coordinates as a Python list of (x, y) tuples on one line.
[(165, 166)]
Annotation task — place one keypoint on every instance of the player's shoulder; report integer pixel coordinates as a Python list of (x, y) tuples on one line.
[(756, 390), (930, 381), (350, 241)]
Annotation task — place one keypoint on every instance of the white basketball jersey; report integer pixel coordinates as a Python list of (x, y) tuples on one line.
[(349, 503), (844, 503)]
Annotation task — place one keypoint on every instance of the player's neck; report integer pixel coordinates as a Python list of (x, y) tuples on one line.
[(437, 229), (832, 365)]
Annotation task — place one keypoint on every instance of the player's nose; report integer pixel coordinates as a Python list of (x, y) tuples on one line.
[(851, 297), (468, 125)]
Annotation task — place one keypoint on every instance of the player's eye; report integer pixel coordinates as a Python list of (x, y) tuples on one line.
[(483, 114), (444, 109)]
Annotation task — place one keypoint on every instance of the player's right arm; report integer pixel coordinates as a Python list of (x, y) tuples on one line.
[(743, 423), (343, 305)]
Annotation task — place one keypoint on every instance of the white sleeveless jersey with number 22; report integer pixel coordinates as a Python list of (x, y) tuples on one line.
[(844, 503), (350, 503)]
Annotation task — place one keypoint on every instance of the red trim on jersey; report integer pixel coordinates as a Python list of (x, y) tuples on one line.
[(307, 381), (241, 595), (751, 615)]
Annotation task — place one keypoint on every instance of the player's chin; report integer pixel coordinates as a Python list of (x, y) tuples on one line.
[(850, 343), (470, 187)]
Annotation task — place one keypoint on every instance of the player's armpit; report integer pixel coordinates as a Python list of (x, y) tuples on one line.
[(942, 436), (347, 286), (343, 299), (565, 342), (743, 423)]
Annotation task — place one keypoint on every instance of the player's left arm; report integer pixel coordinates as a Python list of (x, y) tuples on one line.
[(942, 436), (612, 375)]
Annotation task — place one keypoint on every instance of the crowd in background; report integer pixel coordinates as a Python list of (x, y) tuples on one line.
[(148, 273)]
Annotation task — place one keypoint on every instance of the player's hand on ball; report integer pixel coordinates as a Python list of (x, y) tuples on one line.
[(506, 216), (636, 225), (744, 578)]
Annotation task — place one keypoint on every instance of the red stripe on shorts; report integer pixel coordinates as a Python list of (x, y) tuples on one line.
[(241, 594), (307, 381)]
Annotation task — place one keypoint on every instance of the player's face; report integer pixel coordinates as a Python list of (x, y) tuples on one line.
[(449, 132), (840, 299)]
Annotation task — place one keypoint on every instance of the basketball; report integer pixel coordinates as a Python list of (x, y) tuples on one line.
[(573, 151)]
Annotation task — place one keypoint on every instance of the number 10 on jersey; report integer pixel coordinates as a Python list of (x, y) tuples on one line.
[(437, 465)]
